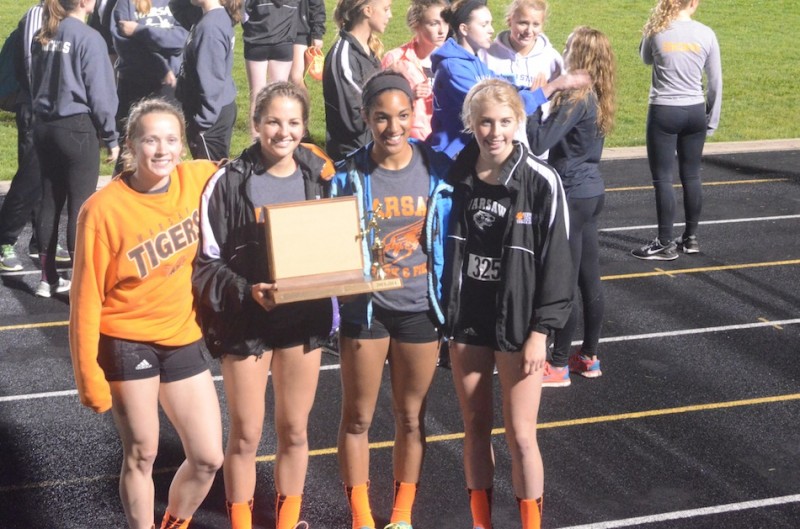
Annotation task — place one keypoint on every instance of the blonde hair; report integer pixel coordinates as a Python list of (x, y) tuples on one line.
[(662, 16), (133, 124), (589, 49), (348, 13), (53, 13), (516, 5), (490, 91), (234, 9), (143, 7)]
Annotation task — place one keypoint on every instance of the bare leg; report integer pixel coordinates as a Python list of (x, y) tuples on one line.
[(473, 368), (245, 380), (294, 379), (192, 407), (362, 364), (412, 369), (135, 413)]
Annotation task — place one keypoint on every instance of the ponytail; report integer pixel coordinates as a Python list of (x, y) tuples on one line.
[(53, 13), (348, 13), (234, 9), (662, 16)]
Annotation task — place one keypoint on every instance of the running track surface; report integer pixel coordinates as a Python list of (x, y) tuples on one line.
[(694, 423)]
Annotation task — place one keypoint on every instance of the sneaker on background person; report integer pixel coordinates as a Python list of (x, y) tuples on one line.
[(62, 255), (9, 261), (688, 244), (655, 251), (584, 365), (555, 377), (46, 290)]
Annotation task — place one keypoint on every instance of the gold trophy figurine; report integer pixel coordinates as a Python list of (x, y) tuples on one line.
[(373, 227)]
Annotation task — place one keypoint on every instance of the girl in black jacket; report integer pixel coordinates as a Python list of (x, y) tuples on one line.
[(507, 287), (241, 324)]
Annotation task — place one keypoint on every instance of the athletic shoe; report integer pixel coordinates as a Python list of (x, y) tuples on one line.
[(8, 258), (46, 290), (584, 366), (555, 377), (62, 255), (655, 251), (688, 244), (301, 525), (399, 525)]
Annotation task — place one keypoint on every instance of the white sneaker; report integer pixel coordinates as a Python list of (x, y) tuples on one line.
[(46, 290)]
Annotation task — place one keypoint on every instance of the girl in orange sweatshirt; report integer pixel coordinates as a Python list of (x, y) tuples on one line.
[(134, 337)]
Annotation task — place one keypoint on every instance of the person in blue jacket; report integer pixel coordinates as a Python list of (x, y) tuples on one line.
[(457, 68), (405, 178)]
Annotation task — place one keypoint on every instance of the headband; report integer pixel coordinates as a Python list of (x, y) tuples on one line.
[(380, 83), (464, 11)]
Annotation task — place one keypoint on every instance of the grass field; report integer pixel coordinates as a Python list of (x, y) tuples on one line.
[(760, 60)]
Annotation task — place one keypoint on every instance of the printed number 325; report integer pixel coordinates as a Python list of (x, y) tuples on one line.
[(483, 268)]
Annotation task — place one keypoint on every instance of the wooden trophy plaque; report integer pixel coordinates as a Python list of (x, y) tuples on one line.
[(315, 250)]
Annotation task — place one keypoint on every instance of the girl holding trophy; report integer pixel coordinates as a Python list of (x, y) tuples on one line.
[(242, 325)]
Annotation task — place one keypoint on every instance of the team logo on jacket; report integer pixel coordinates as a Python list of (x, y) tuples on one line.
[(524, 217)]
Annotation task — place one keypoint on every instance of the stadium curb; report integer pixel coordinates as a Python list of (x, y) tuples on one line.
[(623, 153)]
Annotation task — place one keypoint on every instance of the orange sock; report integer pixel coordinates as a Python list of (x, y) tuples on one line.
[(240, 514), (480, 503), (359, 505), (287, 511), (170, 522), (404, 494), (531, 513)]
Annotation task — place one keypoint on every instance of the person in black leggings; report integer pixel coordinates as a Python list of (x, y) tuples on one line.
[(74, 100), (680, 116), (575, 133)]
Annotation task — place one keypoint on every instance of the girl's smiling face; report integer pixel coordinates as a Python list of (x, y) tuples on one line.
[(525, 26), (390, 118), (158, 147), (280, 129)]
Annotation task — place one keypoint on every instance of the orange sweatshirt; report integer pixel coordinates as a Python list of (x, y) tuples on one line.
[(132, 272)]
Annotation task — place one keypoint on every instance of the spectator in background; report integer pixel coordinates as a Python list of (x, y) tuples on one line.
[(269, 30), (679, 117), (354, 57), (74, 101), (205, 85), (23, 197), (575, 132), (413, 59), (310, 30), (149, 44)]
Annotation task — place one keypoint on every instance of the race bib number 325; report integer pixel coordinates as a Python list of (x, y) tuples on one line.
[(483, 268)]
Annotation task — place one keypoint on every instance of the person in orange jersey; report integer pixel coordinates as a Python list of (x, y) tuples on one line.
[(133, 331)]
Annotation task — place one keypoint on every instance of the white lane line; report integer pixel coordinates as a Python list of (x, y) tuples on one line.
[(648, 336), (691, 513), (704, 222)]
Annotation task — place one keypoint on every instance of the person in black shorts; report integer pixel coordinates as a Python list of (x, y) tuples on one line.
[(507, 286), (241, 323), (269, 30), (310, 30), (133, 332), (404, 178)]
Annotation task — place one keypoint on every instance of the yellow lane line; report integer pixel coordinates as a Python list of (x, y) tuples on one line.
[(456, 436), (732, 182), (661, 271), (34, 325)]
